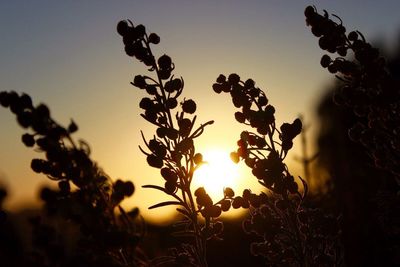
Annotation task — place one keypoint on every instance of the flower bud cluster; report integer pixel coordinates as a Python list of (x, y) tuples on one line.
[(368, 89), (135, 40), (260, 151), (331, 34), (245, 96), (288, 132), (210, 210), (65, 161), (172, 141), (174, 138)]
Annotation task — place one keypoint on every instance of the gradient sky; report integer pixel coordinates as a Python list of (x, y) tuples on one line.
[(68, 55)]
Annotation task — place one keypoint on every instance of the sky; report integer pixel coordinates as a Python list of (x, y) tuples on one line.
[(68, 55)]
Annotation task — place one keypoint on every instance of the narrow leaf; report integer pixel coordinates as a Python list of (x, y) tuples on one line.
[(154, 187), (166, 203)]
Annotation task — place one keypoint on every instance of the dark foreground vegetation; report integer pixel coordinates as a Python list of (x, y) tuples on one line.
[(353, 223)]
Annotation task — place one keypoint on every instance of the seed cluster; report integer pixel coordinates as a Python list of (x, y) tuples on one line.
[(260, 151)]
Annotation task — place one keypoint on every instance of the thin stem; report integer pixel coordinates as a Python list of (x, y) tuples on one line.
[(164, 97)]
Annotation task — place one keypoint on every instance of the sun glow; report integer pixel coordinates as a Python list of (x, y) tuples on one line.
[(218, 172)]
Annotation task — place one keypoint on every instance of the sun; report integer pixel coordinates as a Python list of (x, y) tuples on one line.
[(216, 173)]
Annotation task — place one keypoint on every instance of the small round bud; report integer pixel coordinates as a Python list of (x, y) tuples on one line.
[(154, 38), (198, 158), (217, 88), (146, 103), (309, 11), (189, 106), (4, 99), (140, 30), (215, 211), (130, 50), (317, 30), (151, 90), (43, 111), (171, 103), (228, 192), (37, 165), (164, 62), (26, 101), (129, 188), (72, 127), (325, 61), (225, 205), (139, 81), (246, 194), (155, 161), (28, 140), (200, 192), (262, 100), (122, 27), (170, 187), (323, 43), (233, 78), (249, 84), (161, 132), (235, 157), (221, 78), (353, 36), (237, 202), (332, 68), (25, 119), (240, 117)]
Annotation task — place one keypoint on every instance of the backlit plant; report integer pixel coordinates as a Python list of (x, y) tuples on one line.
[(172, 148), (86, 195), (287, 231)]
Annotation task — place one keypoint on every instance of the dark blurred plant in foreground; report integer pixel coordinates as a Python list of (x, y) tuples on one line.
[(368, 88), (85, 194)]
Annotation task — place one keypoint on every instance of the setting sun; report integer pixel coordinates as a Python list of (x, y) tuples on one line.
[(218, 172)]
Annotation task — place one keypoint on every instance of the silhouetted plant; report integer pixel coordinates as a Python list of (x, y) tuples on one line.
[(172, 149), (368, 87), (288, 232), (85, 194)]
